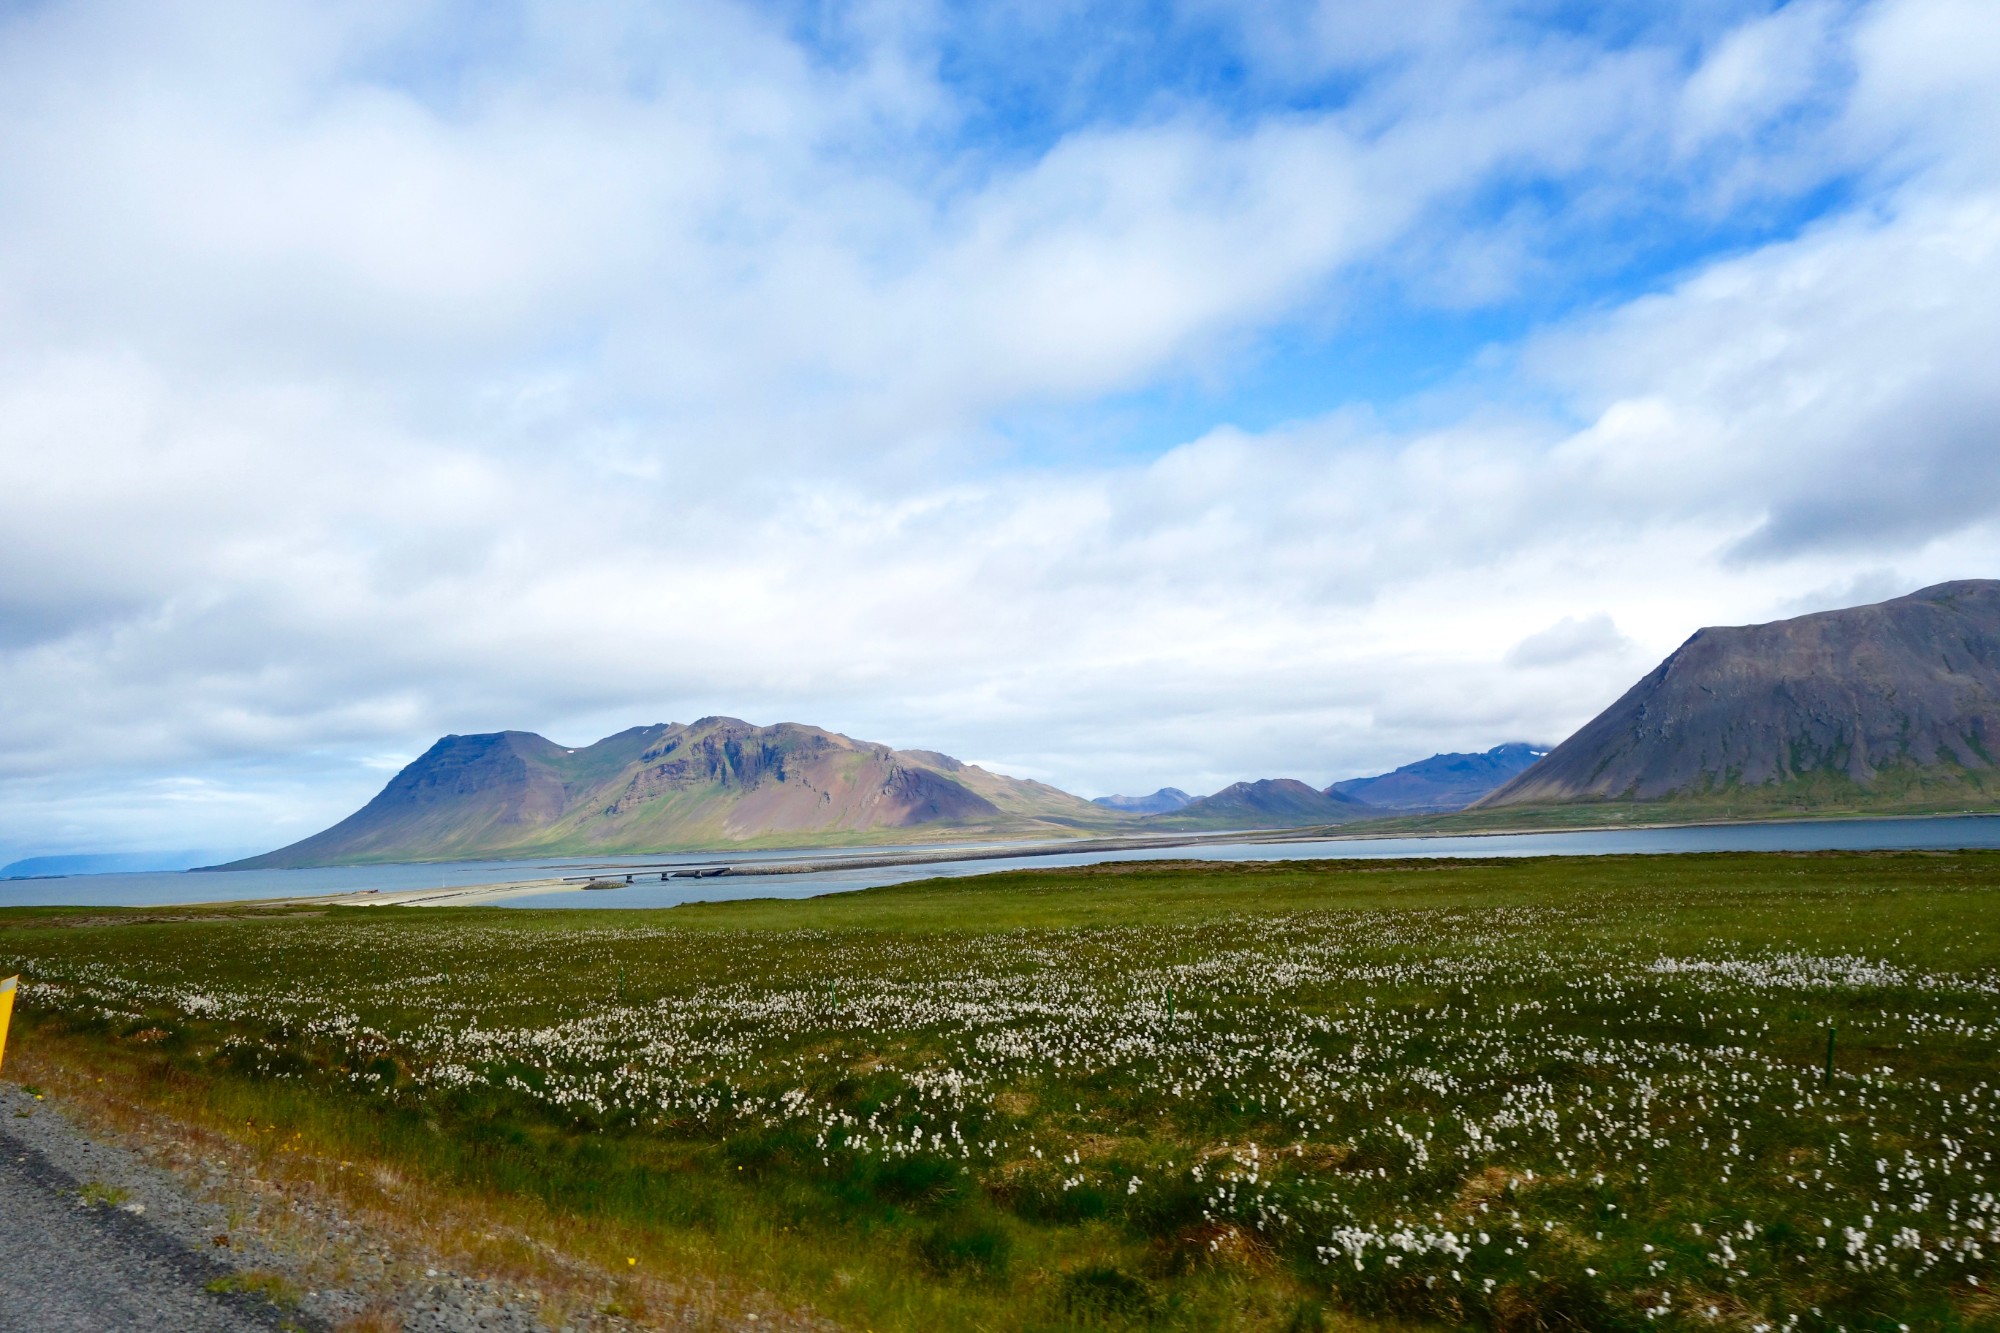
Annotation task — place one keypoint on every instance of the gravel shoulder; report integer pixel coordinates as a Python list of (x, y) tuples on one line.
[(81, 1255), (102, 1234)]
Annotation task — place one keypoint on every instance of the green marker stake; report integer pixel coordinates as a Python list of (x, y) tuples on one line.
[(1830, 1030)]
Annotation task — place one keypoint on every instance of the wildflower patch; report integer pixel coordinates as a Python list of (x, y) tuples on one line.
[(1537, 1101)]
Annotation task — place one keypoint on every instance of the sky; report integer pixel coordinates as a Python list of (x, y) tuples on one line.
[(1117, 394)]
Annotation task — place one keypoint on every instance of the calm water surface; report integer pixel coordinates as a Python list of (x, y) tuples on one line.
[(237, 885)]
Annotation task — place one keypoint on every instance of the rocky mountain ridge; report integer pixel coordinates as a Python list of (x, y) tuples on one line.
[(717, 782)]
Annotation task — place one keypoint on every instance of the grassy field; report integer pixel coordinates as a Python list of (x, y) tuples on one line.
[(1560, 1093)]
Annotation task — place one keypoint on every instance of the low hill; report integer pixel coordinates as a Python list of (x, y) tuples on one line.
[(1890, 706), (714, 783), (1268, 803), (1162, 802), (105, 863), (1441, 782)]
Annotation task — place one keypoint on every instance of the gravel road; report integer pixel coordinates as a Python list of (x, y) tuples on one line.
[(103, 1229), (68, 1264)]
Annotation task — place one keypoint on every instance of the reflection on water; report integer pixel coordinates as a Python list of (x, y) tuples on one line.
[(238, 885)]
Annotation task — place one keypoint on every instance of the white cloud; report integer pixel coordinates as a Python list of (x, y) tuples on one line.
[(355, 387), (1835, 388), (1568, 640), (1759, 71)]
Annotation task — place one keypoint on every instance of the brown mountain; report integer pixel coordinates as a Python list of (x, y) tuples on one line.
[(714, 783), (1895, 705)]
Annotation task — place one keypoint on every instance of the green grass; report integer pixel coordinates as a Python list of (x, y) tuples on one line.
[(96, 1194), (275, 1288), (1562, 1092)]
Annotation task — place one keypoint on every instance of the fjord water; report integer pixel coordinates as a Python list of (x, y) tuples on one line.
[(1971, 831), (166, 887)]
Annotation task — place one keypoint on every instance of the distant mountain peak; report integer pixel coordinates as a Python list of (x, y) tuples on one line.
[(1265, 803), (1164, 801), (1443, 781)]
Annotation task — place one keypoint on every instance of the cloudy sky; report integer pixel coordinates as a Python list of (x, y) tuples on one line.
[(1118, 394)]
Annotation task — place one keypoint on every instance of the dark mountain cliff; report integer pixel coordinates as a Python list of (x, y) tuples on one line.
[(1871, 699)]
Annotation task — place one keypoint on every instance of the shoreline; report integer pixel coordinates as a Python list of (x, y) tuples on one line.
[(764, 864)]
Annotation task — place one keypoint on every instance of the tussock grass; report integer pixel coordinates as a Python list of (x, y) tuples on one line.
[(1559, 1093), (273, 1288)]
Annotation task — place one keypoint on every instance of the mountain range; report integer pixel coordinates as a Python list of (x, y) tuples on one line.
[(723, 782), (1891, 706)]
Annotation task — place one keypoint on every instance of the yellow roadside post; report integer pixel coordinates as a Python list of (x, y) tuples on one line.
[(6, 1011)]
